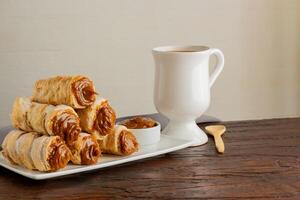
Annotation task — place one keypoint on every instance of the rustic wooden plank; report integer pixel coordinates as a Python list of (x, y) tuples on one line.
[(261, 161)]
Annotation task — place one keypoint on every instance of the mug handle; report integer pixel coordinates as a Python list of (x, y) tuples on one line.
[(219, 67)]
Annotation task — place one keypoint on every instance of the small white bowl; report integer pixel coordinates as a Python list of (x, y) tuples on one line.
[(147, 136)]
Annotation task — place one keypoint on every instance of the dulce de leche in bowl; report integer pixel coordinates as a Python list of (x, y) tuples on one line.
[(146, 130)]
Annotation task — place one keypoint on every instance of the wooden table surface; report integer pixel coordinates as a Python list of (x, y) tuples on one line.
[(261, 161)]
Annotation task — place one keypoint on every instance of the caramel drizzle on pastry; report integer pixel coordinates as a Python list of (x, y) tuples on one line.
[(59, 155), (66, 125), (128, 143), (90, 152), (105, 119), (84, 91)]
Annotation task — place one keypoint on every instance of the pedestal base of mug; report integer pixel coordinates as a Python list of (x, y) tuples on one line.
[(186, 131)]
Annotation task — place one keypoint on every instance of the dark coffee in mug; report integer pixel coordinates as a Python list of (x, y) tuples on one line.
[(182, 51)]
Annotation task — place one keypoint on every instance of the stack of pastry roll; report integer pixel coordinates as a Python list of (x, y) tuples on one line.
[(58, 120), (77, 92), (49, 126)]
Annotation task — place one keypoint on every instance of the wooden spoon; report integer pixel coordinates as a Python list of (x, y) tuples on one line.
[(217, 131)]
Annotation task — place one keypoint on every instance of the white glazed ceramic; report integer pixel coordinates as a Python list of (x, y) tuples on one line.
[(182, 87), (147, 136), (165, 145)]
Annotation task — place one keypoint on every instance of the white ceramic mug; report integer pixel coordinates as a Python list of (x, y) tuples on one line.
[(182, 87)]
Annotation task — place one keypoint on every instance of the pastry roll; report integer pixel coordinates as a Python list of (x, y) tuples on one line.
[(49, 153), (58, 120), (85, 150), (75, 91), (9, 146), (35, 151), (98, 119), (121, 142)]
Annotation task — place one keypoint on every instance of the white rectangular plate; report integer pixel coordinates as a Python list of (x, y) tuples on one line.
[(165, 145)]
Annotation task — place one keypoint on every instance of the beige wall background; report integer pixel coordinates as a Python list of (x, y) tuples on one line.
[(111, 42)]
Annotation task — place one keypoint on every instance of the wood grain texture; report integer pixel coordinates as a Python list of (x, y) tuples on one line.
[(261, 161)]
